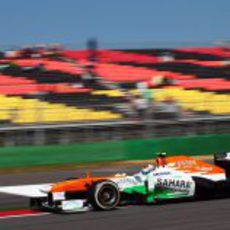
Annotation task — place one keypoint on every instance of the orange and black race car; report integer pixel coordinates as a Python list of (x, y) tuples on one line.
[(180, 177)]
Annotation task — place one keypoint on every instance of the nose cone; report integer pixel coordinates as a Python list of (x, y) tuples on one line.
[(76, 185), (71, 186)]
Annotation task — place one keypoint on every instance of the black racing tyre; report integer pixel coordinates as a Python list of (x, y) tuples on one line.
[(104, 195), (204, 188), (221, 161), (219, 158)]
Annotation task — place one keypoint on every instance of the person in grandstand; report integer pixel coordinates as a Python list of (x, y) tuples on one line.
[(141, 106)]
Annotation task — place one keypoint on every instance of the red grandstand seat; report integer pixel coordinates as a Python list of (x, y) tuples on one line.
[(113, 56), (50, 65), (9, 80), (209, 84)]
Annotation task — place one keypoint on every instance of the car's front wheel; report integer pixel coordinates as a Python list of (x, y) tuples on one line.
[(104, 195)]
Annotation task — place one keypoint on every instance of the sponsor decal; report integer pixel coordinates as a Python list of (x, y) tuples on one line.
[(174, 184), (129, 181), (186, 163), (58, 196), (72, 204), (161, 173)]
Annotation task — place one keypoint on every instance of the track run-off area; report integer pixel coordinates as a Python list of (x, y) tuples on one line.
[(15, 213)]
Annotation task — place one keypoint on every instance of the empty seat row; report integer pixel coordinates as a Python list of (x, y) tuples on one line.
[(21, 110), (112, 56), (217, 104)]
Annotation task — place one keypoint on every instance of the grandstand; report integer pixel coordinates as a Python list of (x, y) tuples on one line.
[(53, 89)]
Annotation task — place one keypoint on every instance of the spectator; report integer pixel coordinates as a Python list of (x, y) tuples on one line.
[(161, 80), (169, 109), (87, 77), (141, 106)]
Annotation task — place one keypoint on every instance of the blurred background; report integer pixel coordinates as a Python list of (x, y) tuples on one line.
[(78, 72), (56, 94)]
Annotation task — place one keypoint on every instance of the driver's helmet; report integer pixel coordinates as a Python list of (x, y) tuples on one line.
[(162, 154), (161, 159)]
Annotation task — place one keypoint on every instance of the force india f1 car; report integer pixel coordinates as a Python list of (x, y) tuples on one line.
[(182, 177)]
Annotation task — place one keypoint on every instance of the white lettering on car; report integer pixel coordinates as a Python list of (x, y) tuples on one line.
[(174, 184), (161, 173), (186, 163), (128, 181)]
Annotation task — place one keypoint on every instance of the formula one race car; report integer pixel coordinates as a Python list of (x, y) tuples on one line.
[(181, 178)]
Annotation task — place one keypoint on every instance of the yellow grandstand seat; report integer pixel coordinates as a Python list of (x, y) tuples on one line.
[(196, 100), (20, 110)]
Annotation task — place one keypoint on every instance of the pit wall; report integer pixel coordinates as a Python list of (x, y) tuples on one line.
[(29, 156)]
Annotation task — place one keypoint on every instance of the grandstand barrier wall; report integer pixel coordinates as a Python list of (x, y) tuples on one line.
[(30, 156)]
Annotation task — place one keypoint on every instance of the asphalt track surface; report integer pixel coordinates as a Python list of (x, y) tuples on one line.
[(210, 215)]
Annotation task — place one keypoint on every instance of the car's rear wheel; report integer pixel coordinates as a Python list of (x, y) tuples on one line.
[(104, 195), (205, 188), (221, 161)]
